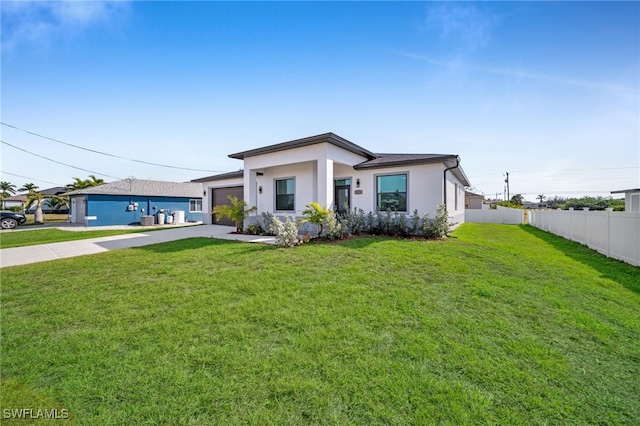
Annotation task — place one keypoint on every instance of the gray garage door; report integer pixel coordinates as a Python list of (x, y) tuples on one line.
[(219, 198)]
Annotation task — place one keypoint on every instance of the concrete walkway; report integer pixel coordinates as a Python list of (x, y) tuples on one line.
[(40, 253)]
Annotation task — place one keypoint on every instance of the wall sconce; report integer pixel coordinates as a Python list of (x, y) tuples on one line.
[(204, 193), (357, 183), (260, 189)]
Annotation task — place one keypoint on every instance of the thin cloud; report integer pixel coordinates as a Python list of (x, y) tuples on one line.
[(618, 90), (37, 23), (466, 26)]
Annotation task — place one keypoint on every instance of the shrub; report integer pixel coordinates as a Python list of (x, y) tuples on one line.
[(440, 227), (268, 223), (415, 223), (356, 221), (315, 213), (331, 227), (254, 229), (286, 232)]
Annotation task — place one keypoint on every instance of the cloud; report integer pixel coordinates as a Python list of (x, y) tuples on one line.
[(38, 23), (613, 89), (464, 26)]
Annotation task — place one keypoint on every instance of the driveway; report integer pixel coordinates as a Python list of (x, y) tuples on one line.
[(40, 253)]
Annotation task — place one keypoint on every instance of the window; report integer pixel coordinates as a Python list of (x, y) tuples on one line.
[(195, 205), (456, 196), (285, 194), (392, 192)]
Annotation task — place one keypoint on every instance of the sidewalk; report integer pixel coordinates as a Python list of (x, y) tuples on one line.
[(40, 253)]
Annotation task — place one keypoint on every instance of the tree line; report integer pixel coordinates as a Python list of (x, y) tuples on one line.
[(565, 203), (34, 196)]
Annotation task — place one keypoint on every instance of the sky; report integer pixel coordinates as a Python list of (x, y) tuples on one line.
[(546, 91)]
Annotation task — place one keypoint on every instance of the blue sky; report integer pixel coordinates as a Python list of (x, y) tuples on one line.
[(548, 91)]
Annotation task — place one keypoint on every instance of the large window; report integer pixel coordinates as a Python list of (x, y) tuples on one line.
[(195, 205), (285, 194), (392, 192)]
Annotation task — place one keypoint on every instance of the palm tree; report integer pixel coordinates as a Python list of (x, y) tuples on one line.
[(84, 183), (236, 211), (29, 187), (541, 197), (94, 181), (35, 197), (57, 202), (7, 188), (315, 213)]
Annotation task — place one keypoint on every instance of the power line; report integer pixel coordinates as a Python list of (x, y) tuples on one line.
[(557, 170), (30, 178), (106, 153), (58, 162)]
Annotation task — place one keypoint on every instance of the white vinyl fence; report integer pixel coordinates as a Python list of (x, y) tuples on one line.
[(501, 214), (614, 234)]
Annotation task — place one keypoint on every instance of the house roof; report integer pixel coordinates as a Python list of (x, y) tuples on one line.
[(472, 195), (397, 160), (312, 140), (19, 197), (393, 160), (222, 176), (142, 187), (56, 190), (624, 191)]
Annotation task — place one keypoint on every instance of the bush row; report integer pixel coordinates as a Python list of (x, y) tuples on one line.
[(332, 226)]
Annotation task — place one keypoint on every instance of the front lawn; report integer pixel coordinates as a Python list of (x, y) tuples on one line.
[(52, 235), (497, 325)]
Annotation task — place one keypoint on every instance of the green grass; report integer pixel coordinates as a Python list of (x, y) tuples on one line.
[(52, 235), (497, 325)]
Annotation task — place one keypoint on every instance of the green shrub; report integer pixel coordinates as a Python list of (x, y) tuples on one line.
[(286, 232)]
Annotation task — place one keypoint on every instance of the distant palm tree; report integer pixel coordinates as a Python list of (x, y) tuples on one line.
[(7, 188), (35, 197), (29, 187), (84, 183), (57, 202), (541, 197)]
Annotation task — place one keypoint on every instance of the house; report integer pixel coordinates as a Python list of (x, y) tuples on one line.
[(14, 201), (473, 201), (124, 202), (336, 173), (534, 205), (20, 200), (631, 199)]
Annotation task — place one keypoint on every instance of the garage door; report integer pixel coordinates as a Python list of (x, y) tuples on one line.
[(219, 198)]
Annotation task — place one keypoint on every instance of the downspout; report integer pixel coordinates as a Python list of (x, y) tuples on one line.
[(444, 178)]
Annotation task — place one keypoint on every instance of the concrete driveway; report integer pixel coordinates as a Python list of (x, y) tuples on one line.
[(53, 251)]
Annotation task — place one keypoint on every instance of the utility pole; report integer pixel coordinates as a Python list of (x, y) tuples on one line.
[(507, 182)]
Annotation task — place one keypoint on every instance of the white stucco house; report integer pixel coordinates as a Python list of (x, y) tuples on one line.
[(285, 177), (631, 199)]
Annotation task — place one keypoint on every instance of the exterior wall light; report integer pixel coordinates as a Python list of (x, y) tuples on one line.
[(358, 183)]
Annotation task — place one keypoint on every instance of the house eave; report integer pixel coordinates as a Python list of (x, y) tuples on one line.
[(330, 138)]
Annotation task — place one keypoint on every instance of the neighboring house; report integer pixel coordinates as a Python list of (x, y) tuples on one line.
[(534, 205), (125, 201), (631, 199), (340, 175), (473, 201), (14, 201), (20, 200), (46, 208)]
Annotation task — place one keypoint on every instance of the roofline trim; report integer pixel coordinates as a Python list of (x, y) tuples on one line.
[(299, 143)]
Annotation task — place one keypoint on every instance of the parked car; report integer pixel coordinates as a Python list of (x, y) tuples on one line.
[(12, 219)]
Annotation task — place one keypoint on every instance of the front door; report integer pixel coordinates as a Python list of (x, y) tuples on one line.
[(342, 196)]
